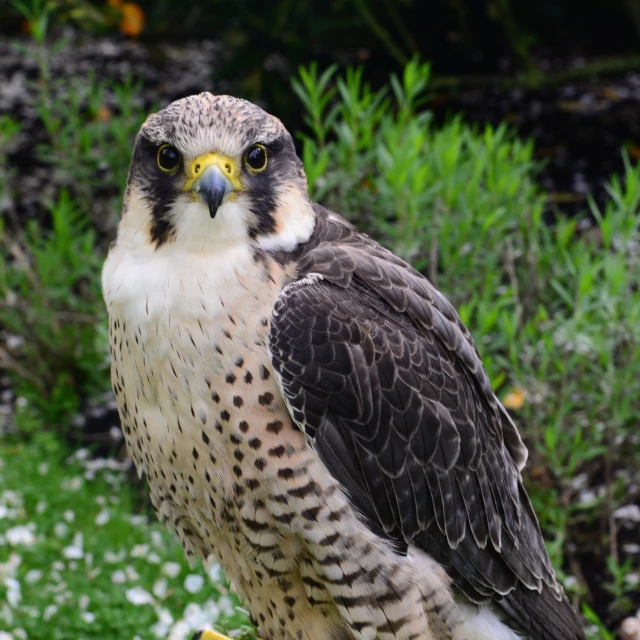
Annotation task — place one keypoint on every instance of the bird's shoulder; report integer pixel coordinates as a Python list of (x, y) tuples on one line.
[(373, 277)]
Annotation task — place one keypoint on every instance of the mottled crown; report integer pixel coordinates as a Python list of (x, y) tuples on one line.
[(209, 122)]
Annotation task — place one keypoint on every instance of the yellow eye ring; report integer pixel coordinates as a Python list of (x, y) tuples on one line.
[(168, 159), (256, 158)]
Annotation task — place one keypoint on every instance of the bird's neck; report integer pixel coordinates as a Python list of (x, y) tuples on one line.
[(295, 220)]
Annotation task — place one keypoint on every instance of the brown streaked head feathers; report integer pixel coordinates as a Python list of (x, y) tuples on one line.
[(202, 125)]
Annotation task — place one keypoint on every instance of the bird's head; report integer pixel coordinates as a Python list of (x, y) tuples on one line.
[(209, 171)]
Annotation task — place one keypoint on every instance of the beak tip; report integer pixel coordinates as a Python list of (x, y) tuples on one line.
[(212, 187)]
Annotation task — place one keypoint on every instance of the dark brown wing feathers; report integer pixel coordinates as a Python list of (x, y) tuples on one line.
[(385, 379)]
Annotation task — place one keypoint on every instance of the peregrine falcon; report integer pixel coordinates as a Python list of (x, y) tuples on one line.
[(308, 409)]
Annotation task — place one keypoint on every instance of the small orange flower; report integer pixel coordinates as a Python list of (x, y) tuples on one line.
[(634, 152), (514, 400), (132, 22), (103, 114)]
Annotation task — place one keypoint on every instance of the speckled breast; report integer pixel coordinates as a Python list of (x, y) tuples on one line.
[(204, 420)]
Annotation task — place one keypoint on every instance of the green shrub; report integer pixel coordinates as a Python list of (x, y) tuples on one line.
[(91, 126), (50, 270), (51, 299)]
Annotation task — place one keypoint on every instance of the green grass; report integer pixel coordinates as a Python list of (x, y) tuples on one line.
[(76, 561), (554, 309)]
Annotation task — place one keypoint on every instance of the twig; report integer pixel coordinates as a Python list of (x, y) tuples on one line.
[(597, 67), (404, 32), (9, 363), (613, 529), (433, 247), (383, 35), (510, 266)]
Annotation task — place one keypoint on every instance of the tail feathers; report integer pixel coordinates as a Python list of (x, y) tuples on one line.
[(543, 615)]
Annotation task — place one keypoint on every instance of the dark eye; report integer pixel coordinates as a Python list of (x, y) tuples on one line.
[(168, 158), (256, 158)]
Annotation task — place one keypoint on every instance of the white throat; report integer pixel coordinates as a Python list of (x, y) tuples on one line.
[(196, 232)]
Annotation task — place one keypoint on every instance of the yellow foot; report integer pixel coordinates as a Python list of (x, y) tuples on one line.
[(209, 635)]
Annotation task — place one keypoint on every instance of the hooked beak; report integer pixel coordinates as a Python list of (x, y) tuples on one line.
[(212, 187), (213, 178)]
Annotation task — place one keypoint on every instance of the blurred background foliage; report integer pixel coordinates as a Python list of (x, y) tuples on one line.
[(264, 42), (551, 295)]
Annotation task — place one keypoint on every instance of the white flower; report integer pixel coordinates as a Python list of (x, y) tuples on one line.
[(73, 551), (5, 636), (171, 569), (69, 515), (88, 617), (43, 468), (161, 628), (33, 575), (138, 596), (193, 583), (118, 577), (628, 512), (71, 484), (154, 558), (226, 605), (83, 602), (140, 551), (113, 558), (49, 612), (160, 588), (14, 594), (41, 507), (20, 634), (60, 529), (9, 568), (201, 617), (157, 539), (632, 578), (21, 534), (215, 573), (102, 518), (179, 631), (12, 498), (132, 574)]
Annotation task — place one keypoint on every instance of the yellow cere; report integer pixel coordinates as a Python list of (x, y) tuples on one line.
[(224, 163)]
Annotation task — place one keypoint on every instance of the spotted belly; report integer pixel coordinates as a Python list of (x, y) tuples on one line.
[(237, 481)]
